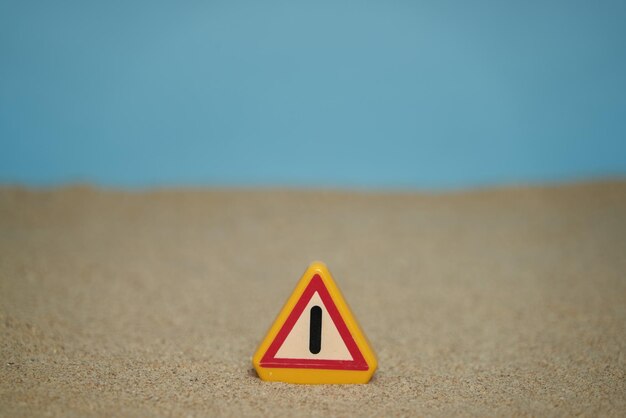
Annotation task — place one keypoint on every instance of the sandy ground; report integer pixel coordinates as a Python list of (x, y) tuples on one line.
[(490, 303)]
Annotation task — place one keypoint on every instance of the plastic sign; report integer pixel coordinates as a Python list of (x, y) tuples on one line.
[(315, 338)]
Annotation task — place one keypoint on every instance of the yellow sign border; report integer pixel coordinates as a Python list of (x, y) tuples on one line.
[(317, 376)]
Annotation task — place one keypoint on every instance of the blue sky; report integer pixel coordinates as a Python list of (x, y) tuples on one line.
[(386, 94)]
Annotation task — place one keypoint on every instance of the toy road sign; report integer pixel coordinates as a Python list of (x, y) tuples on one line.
[(315, 338)]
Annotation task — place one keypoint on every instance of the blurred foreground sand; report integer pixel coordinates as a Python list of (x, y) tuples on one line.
[(497, 302)]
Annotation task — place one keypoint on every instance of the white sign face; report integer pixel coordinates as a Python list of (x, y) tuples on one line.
[(303, 342)]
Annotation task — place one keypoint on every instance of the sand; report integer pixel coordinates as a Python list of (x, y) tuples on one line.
[(486, 303)]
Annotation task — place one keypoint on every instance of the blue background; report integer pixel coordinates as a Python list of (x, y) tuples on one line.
[(376, 94)]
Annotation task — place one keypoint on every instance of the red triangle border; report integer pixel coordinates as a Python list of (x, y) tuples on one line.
[(315, 285)]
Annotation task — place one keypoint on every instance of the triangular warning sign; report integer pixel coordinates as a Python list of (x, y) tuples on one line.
[(315, 338)]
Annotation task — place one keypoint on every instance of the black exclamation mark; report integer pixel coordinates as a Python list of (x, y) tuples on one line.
[(315, 330)]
